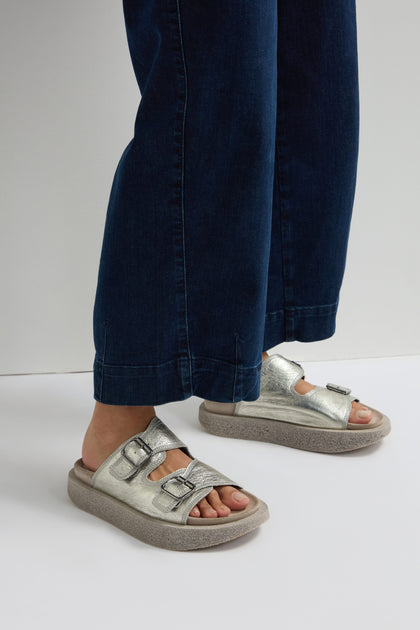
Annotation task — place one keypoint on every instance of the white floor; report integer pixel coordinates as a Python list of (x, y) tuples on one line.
[(340, 551)]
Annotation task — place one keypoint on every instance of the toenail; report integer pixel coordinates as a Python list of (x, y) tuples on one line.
[(238, 496), (196, 511), (363, 413)]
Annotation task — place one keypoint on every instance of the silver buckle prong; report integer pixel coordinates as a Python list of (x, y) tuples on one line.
[(182, 480), (338, 388), (143, 445), (295, 362)]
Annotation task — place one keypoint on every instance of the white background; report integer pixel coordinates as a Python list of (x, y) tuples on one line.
[(69, 99), (341, 549), (339, 552)]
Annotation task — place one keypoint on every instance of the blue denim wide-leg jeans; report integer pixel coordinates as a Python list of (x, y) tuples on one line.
[(229, 214)]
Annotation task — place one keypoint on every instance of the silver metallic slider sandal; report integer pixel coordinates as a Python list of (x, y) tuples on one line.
[(157, 512), (315, 421)]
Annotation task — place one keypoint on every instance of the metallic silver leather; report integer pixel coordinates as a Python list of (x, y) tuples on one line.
[(322, 407), (124, 475)]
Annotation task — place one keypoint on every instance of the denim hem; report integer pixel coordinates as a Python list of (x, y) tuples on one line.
[(300, 323), (205, 377), (208, 377)]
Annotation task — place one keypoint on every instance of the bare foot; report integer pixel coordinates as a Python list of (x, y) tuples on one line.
[(111, 425), (359, 413)]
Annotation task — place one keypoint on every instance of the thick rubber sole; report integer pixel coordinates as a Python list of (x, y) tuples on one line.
[(293, 435), (176, 537)]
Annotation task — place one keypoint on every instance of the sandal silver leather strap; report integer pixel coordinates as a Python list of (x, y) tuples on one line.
[(322, 407), (197, 480), (124, 475), (141, 448)]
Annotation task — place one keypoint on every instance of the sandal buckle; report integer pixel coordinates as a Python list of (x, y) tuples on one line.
[(338, 388), (295, 362), (179, 479), (145, 448)]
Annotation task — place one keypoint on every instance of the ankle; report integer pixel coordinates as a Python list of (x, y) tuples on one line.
[(117, 419), (109, 427)]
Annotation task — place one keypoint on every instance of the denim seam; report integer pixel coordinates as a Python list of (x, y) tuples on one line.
[(181, 41), (327, 307), (179, 191), (236, 366), (143, 365), (307, 315), (277, 180), (160, 365), (281, 178), (103, 363)]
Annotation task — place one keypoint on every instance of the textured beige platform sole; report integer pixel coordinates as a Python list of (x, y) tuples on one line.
[(293, 435), (158, 532)]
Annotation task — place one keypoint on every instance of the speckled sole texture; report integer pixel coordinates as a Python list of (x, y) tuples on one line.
[(164, 534), (294, 435)]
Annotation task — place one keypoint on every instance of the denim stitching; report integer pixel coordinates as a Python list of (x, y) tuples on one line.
[(160, 365), (103, 363), (282, 187), (236, 367), (183, 189), (284, 224), (325, 308)]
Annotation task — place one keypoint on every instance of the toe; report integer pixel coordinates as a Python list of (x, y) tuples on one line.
[(206, 510), (360, 414), (233, 498), (215, 501), (195, 511)]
